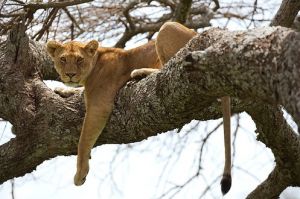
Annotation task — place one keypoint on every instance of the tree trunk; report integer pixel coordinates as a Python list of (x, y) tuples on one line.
[(259, 69)]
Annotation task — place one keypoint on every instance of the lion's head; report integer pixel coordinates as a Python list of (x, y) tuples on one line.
[(73, 60)]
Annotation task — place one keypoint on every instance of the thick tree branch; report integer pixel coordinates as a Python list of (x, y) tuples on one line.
[(45, 64), (273, 130), (286, 14), (182, 10), (272, 62), (258, 65)]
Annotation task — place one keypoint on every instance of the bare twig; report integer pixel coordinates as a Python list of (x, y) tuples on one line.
[(74, 22), (217, 5), (61, 4), (12, 182), (235, 132), (204, 140), (48, 22)]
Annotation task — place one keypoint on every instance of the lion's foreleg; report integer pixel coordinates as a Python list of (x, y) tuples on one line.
[(94, 122)]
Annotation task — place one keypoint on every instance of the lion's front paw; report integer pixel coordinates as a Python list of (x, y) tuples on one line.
[(65, 93), (142, 72), (137, 73), (82, 170), (80, 176)]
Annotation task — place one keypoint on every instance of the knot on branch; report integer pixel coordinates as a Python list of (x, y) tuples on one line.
[(17, 44), (19, 52)]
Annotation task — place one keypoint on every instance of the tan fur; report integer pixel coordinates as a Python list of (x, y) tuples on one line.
[(103, 71)]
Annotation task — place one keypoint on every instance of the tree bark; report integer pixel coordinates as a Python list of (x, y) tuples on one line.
[(259, 69), (182, 10), (282, 142), (286, 14)]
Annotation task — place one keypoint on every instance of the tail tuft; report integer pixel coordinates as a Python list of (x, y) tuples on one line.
[(225, 183)]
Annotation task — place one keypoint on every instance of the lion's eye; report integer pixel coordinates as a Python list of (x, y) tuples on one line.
[(80, 60), (63, 60)]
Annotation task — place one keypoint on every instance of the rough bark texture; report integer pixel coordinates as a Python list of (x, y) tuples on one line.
[(260, 69), (273, 130), (286, 14), (181, 11)]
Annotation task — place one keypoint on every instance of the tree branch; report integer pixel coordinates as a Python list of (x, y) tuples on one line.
[(274, 50), (134, 26), (286, 14), (60, 4), (273, 130), (257, 65), (182, 10)]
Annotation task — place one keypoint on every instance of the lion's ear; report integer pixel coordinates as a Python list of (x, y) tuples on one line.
[(52, 46), (91, 47)]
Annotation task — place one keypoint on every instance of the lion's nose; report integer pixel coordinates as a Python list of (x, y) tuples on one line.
[(70, 74)]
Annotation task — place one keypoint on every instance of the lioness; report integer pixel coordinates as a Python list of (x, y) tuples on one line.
[(103, 71)]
